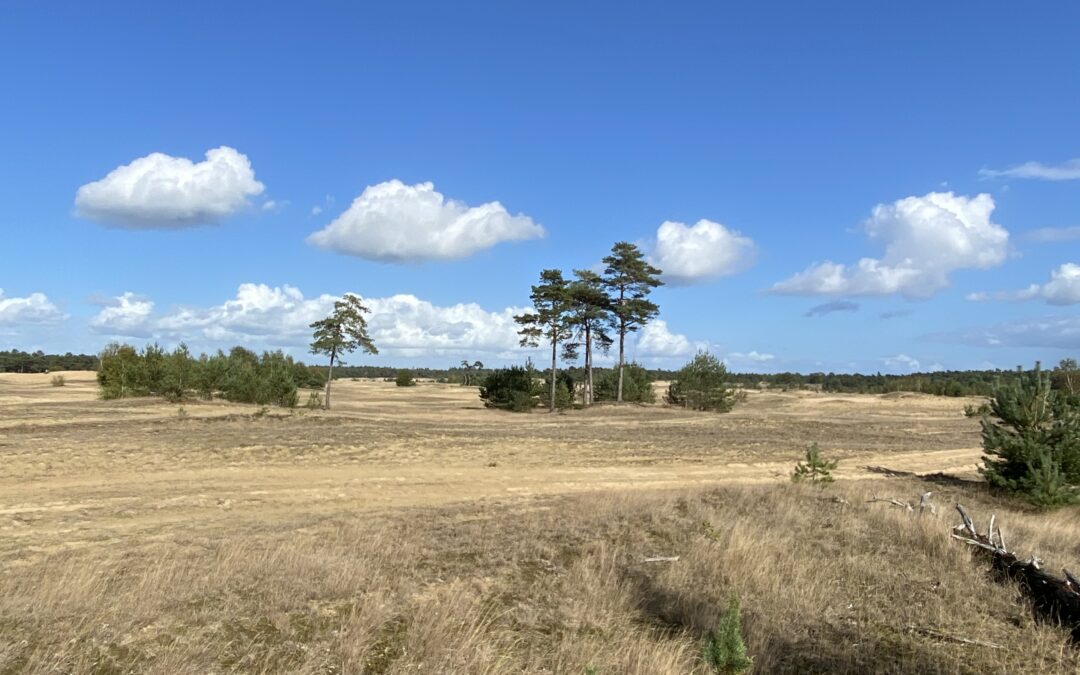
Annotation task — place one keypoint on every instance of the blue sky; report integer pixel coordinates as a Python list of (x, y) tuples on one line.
[(449, 152)]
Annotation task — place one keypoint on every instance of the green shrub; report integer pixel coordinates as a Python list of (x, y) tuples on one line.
[(57, 381), (702, 385), (513, 389), (242, 375), (404, 378), (1032, 440), (564, 390), (815, 469), (724, 651), (637, 385), (314, 401)]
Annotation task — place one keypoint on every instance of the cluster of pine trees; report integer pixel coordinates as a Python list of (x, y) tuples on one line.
[(270, 378), (586, 314)]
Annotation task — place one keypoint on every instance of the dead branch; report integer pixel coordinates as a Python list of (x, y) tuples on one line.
[(891, 500), (1052, 599), (954, 638), (662, 558)]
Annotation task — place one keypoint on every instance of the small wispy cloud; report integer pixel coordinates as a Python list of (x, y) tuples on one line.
[(1053, 235), (895, 314), (1067, 170), (830, 307)]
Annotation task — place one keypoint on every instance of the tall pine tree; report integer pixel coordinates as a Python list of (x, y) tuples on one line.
[(629, 279), (550, 321), (590, 319)]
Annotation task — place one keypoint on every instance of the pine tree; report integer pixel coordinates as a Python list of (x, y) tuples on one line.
[(629, 280), (344, 331), (816, 468), (550, 321), (724, 650), (590, 319), (702, 385), (1032, 440)]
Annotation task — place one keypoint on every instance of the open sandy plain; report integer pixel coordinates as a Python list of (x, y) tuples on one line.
[(78, 471), (410, 530)]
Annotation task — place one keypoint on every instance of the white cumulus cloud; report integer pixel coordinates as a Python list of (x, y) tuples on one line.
[(1068, 170), (925, 238), (1063, 288), (706, 250), (34, 308), (164, 192), (656, 340), (125, 315), (395, 222)]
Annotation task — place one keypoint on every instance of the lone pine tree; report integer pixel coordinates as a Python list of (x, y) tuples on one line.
[(344, 331)]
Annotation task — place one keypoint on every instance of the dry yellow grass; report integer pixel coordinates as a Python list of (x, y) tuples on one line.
[(378, 538)]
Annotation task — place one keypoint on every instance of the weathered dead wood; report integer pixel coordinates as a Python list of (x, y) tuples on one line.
[(924, 503), (662, 558), (954, 638), (1052, 599), (891, 500)]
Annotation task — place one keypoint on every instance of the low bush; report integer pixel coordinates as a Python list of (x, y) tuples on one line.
[(514, 389), (702, 385), (57, 381), (404, 378), (637, 385)]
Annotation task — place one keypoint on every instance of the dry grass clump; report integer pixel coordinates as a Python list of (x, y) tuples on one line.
[(554, 586)]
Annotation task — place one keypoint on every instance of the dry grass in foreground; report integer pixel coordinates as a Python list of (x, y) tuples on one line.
[(555, 586)]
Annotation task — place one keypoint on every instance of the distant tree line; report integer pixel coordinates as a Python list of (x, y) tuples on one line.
[(15, 361), (241, 375)]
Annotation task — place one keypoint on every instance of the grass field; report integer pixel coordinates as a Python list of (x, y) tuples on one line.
[(410, 530)]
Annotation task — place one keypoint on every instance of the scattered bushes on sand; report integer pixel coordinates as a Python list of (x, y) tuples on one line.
[(702, 384), (1032, 440), (404, 378), (516, 389)]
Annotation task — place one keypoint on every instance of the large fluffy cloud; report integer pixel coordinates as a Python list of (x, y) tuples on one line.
[(1068, 170), (402, 325), (706, 250), (164, 192), (1063, 288), (125, 315), (34, 308), (657, 341), (925, 238), (395, 222)]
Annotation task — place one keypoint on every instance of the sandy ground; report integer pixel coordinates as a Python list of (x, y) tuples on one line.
[(79, 472)]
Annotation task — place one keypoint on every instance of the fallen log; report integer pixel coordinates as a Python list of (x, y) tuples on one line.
[(1053, 600)]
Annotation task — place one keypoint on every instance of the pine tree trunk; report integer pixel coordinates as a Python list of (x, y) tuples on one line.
[(588, 365), (622, 341), (622, 352), (554, 344), (329, 379)]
